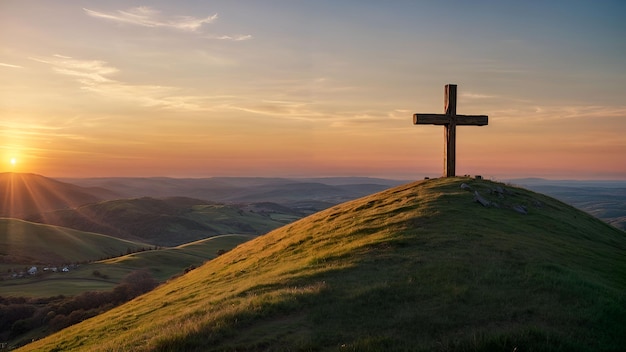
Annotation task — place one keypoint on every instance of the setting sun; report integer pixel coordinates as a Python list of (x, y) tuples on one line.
[(13, 161)]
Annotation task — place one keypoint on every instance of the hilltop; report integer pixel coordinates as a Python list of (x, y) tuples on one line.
[(421, 266)]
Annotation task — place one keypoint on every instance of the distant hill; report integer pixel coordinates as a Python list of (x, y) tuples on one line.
[(162, 263), (448, 264), (27, 243), (169, 221), (25, 194), (332, 190), (166, 262)]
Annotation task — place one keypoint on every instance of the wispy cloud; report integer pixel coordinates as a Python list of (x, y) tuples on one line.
[(9, 65), (294, 110), (236, 38), (528, 113), (95, 76), (145, 16), (87, 71), (476, 95), (148, 17)]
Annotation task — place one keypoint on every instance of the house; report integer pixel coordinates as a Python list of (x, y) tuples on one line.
[(32, 270), (65, 269)]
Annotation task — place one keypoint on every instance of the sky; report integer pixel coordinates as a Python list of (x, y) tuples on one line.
[(311, 88)]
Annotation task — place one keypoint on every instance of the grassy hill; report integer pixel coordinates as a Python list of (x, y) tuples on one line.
[(27, 243), (168, 222), (167, 262), (162, 264), (417, 267), (604, 200)]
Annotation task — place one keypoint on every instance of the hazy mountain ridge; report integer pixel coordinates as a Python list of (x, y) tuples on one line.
[(243, 189), (25, 194), (421, 266)]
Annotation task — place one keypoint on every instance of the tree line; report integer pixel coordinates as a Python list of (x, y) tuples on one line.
[(19, 315)]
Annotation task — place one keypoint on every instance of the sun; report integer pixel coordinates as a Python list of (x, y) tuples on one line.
[(13, 161)]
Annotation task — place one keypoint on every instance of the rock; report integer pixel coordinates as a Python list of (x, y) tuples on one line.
[(478, 198), (520, 209)]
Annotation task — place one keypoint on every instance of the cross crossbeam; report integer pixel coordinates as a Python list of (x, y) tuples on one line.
[(450, 120)]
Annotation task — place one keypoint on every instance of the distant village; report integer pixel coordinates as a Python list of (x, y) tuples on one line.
[(35, 271)]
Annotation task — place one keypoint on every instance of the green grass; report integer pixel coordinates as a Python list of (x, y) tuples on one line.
[(162, 263), (165, 263), (420, 267), (27, 243), (164, 222)]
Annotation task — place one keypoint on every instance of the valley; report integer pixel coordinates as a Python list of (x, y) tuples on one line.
[(115, 226)]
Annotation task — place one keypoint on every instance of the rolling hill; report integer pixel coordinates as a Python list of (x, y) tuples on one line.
[(328, 191), (25, 194), (170, 221), (429, 266), (162, 264), (167, 262), (27, 243)]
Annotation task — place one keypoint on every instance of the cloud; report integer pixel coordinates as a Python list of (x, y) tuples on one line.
[(292, 110), (87, 71), (477, 95), (9, 65), (528, 113), (147, 17), (95, 76), (236, 38)]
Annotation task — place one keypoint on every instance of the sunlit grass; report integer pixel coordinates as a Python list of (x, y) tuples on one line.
[(417, 267)]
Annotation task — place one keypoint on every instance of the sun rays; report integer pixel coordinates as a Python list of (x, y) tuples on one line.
[(27, 194)]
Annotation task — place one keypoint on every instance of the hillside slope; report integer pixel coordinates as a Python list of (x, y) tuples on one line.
[(27, 243), (417, 267), (166, 222), (25, 194)]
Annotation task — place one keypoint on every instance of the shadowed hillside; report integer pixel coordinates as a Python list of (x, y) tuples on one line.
[(605, 200), (23, 242), (423, 266), (171, 221), (25, 194)]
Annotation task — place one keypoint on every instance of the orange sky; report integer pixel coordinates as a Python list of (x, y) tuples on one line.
[(195, 89)]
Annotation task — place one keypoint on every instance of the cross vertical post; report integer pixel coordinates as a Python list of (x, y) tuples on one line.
[(450, 120), (449, 131)]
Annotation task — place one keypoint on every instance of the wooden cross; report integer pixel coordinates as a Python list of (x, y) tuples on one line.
[(450, 120)]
